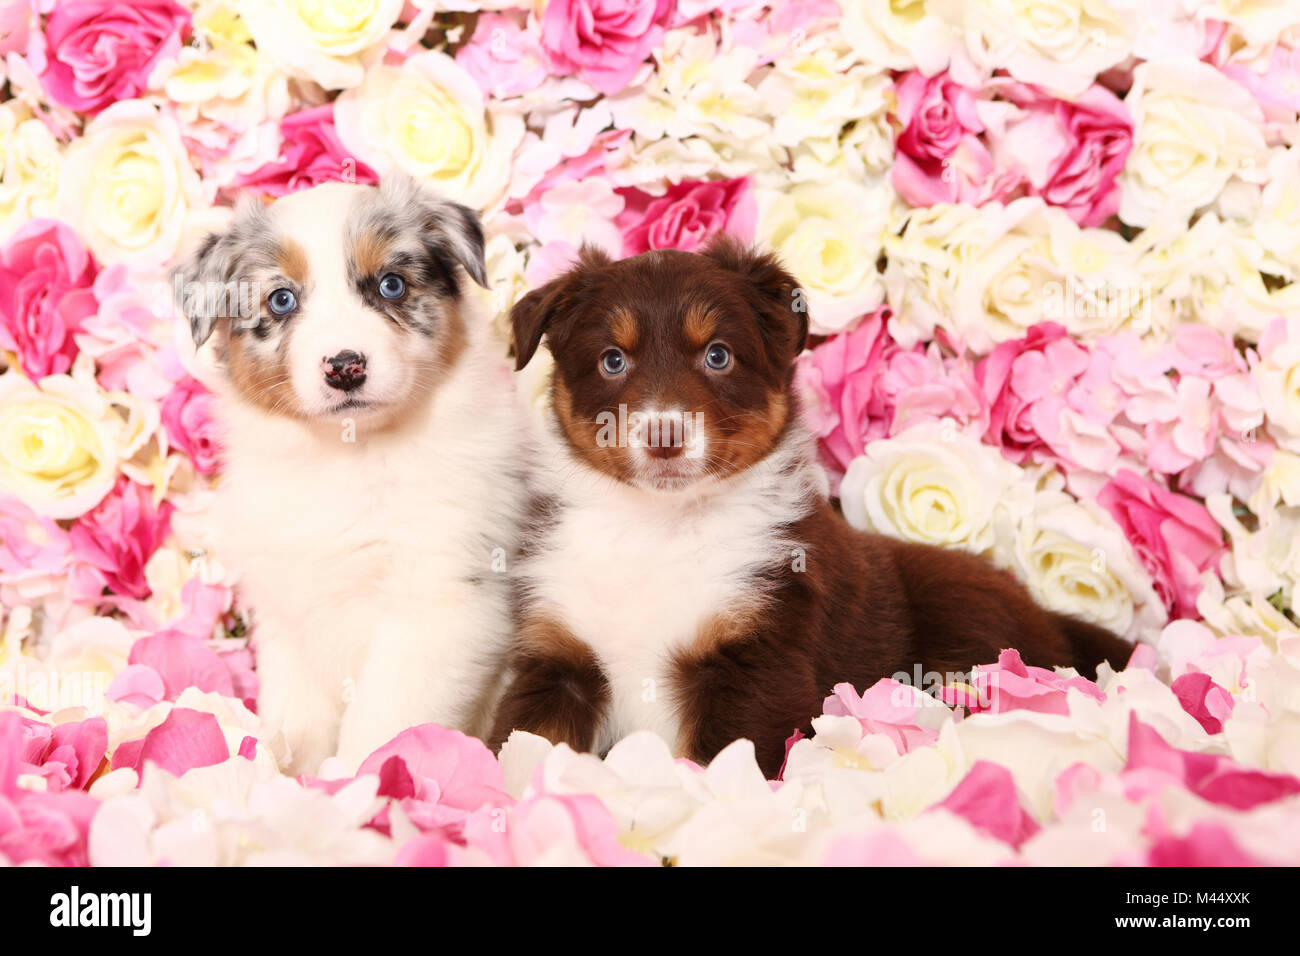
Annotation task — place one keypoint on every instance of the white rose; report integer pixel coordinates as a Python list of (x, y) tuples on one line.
[(1074, 559), (427, 118), (320, 40), (829, 236), (1060, 45), (1194, 129), (29, 167), (127, 185), (935, 485), (899, 34), (923, 250), (60, 443), (1032, 262)]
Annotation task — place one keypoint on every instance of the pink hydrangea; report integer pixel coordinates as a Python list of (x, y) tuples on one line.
[(97, 52), (46, 293), (504, 58)]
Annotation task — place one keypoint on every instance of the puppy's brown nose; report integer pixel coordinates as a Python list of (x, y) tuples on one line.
[(345, 371), (665, 450)]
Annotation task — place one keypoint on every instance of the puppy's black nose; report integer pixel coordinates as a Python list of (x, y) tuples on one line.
[(345, 371)]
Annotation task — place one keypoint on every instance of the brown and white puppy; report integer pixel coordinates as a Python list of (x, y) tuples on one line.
[(372, 479), (701, 585)]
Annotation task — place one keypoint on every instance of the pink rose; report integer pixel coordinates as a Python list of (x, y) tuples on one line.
[(603, 41), (686, 215), (504, 59), (66, 755), (1173, 535), (37, 826), (100, 51), (837, 380), (46, 292), (116, 539), (939, 156), (1071, 152), (311, 153), (886, 707), (188, 417)]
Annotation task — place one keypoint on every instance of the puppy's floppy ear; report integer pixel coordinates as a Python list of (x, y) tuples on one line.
[(539, 311), (204, 283), (773, 292), (451, 232)]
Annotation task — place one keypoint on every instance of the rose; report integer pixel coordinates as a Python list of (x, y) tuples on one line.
[(1075, 560), (1011, 426), (1061, 45), (427, 117), (310, 154), (119, 535), (940, 157), (837, 378), (320, 40), (127, 185), (603, 41), (1194, 129), (46, 281), (1174, 536), (899, 36), (187, 414), (1072, 151), (933, 484), (686, 215), (59, 444), (30, 161), (102, 51), (829, 236)]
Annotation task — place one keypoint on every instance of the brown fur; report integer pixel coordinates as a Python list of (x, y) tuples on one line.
[(862, 607)]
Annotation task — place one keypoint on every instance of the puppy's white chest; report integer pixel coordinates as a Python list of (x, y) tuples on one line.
[(636, 587)]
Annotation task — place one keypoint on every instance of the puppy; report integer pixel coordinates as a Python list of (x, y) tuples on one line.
[(372, 482), (684, 571)]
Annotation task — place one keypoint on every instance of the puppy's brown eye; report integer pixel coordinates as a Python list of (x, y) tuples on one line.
[(718, 357), (613, 362)]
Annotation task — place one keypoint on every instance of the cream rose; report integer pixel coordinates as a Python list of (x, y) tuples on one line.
[(29, 167), (1194, 129), (1060, 45), (127, 185), (427, 118), (1032, 262), (936, 485), (1074, 559), (829, 236), (320, 40), (899, 34), (60, 443)]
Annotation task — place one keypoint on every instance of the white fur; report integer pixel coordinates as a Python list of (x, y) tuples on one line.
[(635, 572), (371, 566)]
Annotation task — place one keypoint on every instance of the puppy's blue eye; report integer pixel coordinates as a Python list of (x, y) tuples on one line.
[(613, 362), (717, 357), (282, 301), (392, 286)]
